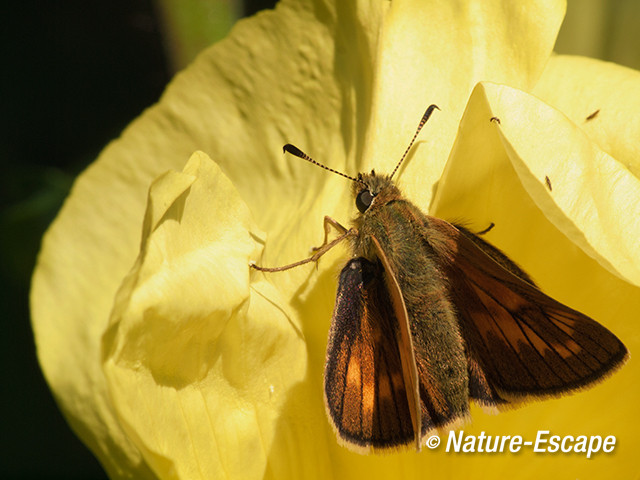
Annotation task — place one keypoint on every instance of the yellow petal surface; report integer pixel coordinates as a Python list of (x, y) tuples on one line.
[(577, 240), (436, 52), (580, 87)]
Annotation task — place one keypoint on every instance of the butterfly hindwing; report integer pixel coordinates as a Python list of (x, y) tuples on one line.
[(365, 393)]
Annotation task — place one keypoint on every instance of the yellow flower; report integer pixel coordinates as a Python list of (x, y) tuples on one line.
[(170, 359)]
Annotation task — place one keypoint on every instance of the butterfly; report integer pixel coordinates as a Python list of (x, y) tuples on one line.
[(429, 317)]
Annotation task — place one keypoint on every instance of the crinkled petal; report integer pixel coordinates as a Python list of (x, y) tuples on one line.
[(198, 364), (235, 102)]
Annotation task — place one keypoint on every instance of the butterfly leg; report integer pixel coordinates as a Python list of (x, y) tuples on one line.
[(328, 223), (319, 251), (487, 230)]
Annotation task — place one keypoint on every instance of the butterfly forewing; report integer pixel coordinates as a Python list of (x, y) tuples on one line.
[(524, 342), (365, 393)]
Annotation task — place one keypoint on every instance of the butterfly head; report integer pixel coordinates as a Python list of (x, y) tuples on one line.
[(371, 190)]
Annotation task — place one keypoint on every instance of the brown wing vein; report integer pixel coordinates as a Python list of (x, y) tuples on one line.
[(502, 332), (537, 329), (575, 355), (541, 333), (550, 346), (361, 397), (379, 361), (594, 340), (521, 320)]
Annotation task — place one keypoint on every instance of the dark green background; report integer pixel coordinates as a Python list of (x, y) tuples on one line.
[(74, 74)]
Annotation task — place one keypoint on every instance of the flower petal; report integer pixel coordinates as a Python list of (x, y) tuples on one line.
[(224, 103), (436, 52), (579, 86), (84, 255), (593, 198), (199, 365), (192, 25), (331, 77), (577, 239)]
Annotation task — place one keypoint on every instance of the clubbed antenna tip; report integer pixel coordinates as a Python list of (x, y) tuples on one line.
[(293, 150), (424, 119)]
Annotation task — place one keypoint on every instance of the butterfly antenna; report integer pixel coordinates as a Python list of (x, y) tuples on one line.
[(424, 119), (293, 150)]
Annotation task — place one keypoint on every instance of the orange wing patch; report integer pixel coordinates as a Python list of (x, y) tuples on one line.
[(365, 393)]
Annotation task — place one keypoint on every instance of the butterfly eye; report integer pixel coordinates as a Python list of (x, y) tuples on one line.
[(363, 200)]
